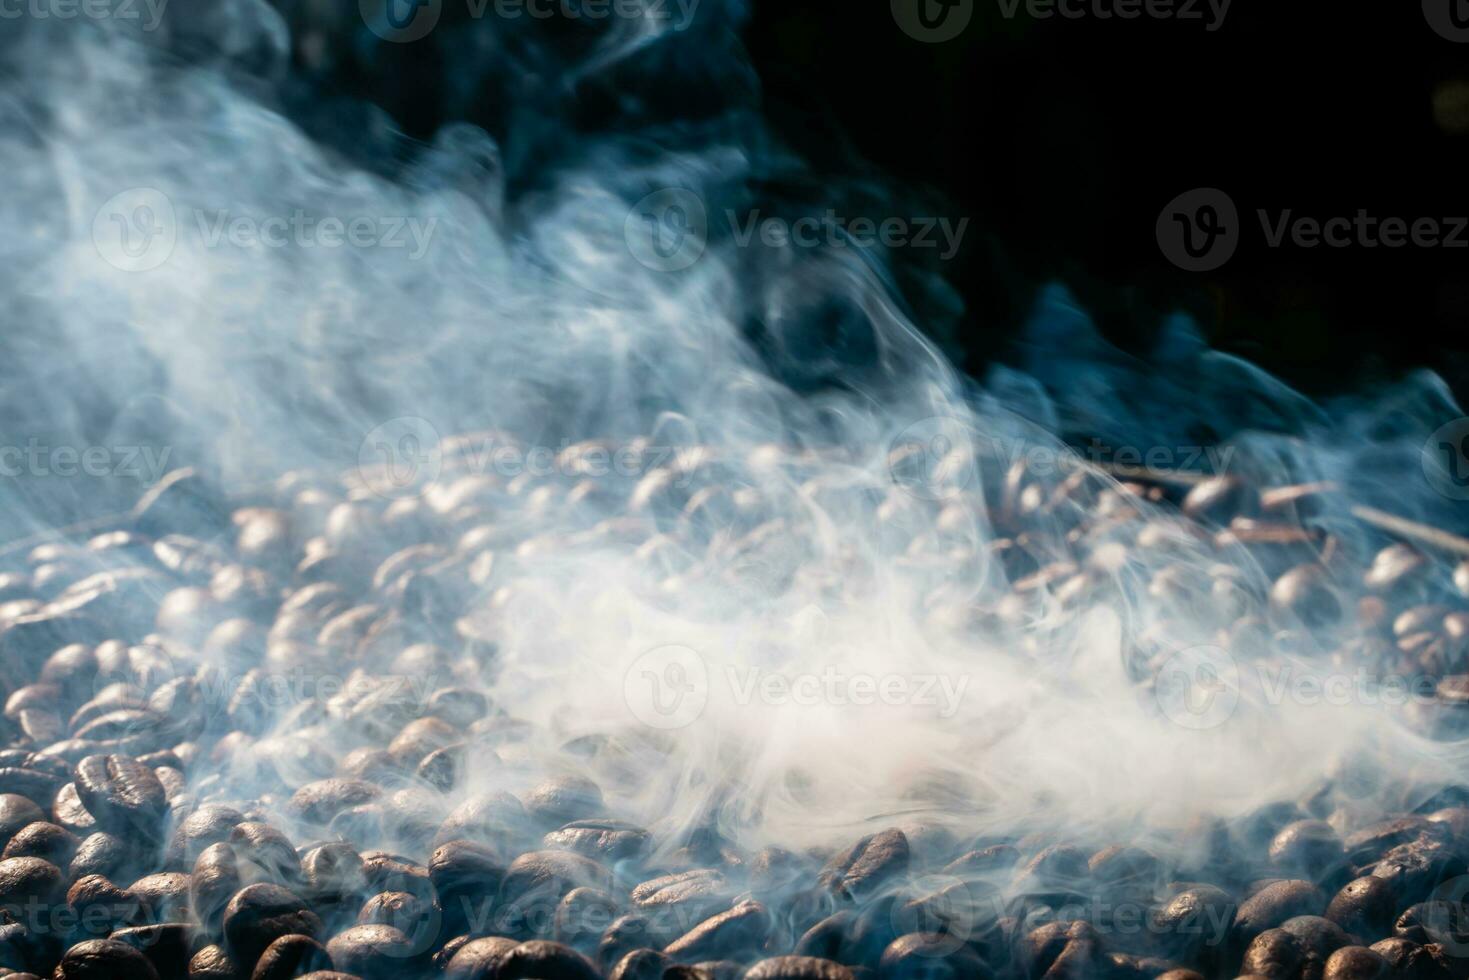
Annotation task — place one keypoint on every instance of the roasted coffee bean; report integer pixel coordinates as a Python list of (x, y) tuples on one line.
[(214, 881), (1272, 905), (1307, 847), (544, 960), (414, 917), (582, 916), (641, 964), (264, 853), (101, 907), (603, 840), (166, 894), (465, 875), (558, 802), (539, 879), (43, 840), (1220, 499), (930, 956), (333, 873), (1356, 963), (291, 956), (1305, 594), (1195, 919), (208, 824), (322, 800), (625, 934), (868, 864), (374, 952), (213, 963), (1364, 907), (28, 882), (17, 812), (260, 914), (124, 796), (166, 946), (1276, 954), (479, 959), (798, 968), (105, 855), (744, 927), (104, 959)]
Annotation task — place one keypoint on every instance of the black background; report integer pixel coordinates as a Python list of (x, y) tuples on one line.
[(1064, 140)]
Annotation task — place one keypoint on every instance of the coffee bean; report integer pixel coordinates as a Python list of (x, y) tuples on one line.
[(1364, 906), (930, 956), (104, 854), (744, 927), (641, 964), (1274, 953), (166, 894), (214, 881), (558, 802), (1356, 963), (17, 812), (322, 800), (167, 946), (213, 963), (28, 882), (374, 952), (101, 906), (464, 875), (1273, 905), (291, 956), (124, 796), (1306, 847), (260, 914), (798, 968), (544, 960), (479, 959), (43, 840), (104, 959), (868, 864), (604, 840)]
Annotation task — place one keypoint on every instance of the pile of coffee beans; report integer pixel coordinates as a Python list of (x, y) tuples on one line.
[(172, 806)]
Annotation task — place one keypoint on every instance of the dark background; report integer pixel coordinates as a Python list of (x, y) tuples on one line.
[(1061, 141), (1065, 139)]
